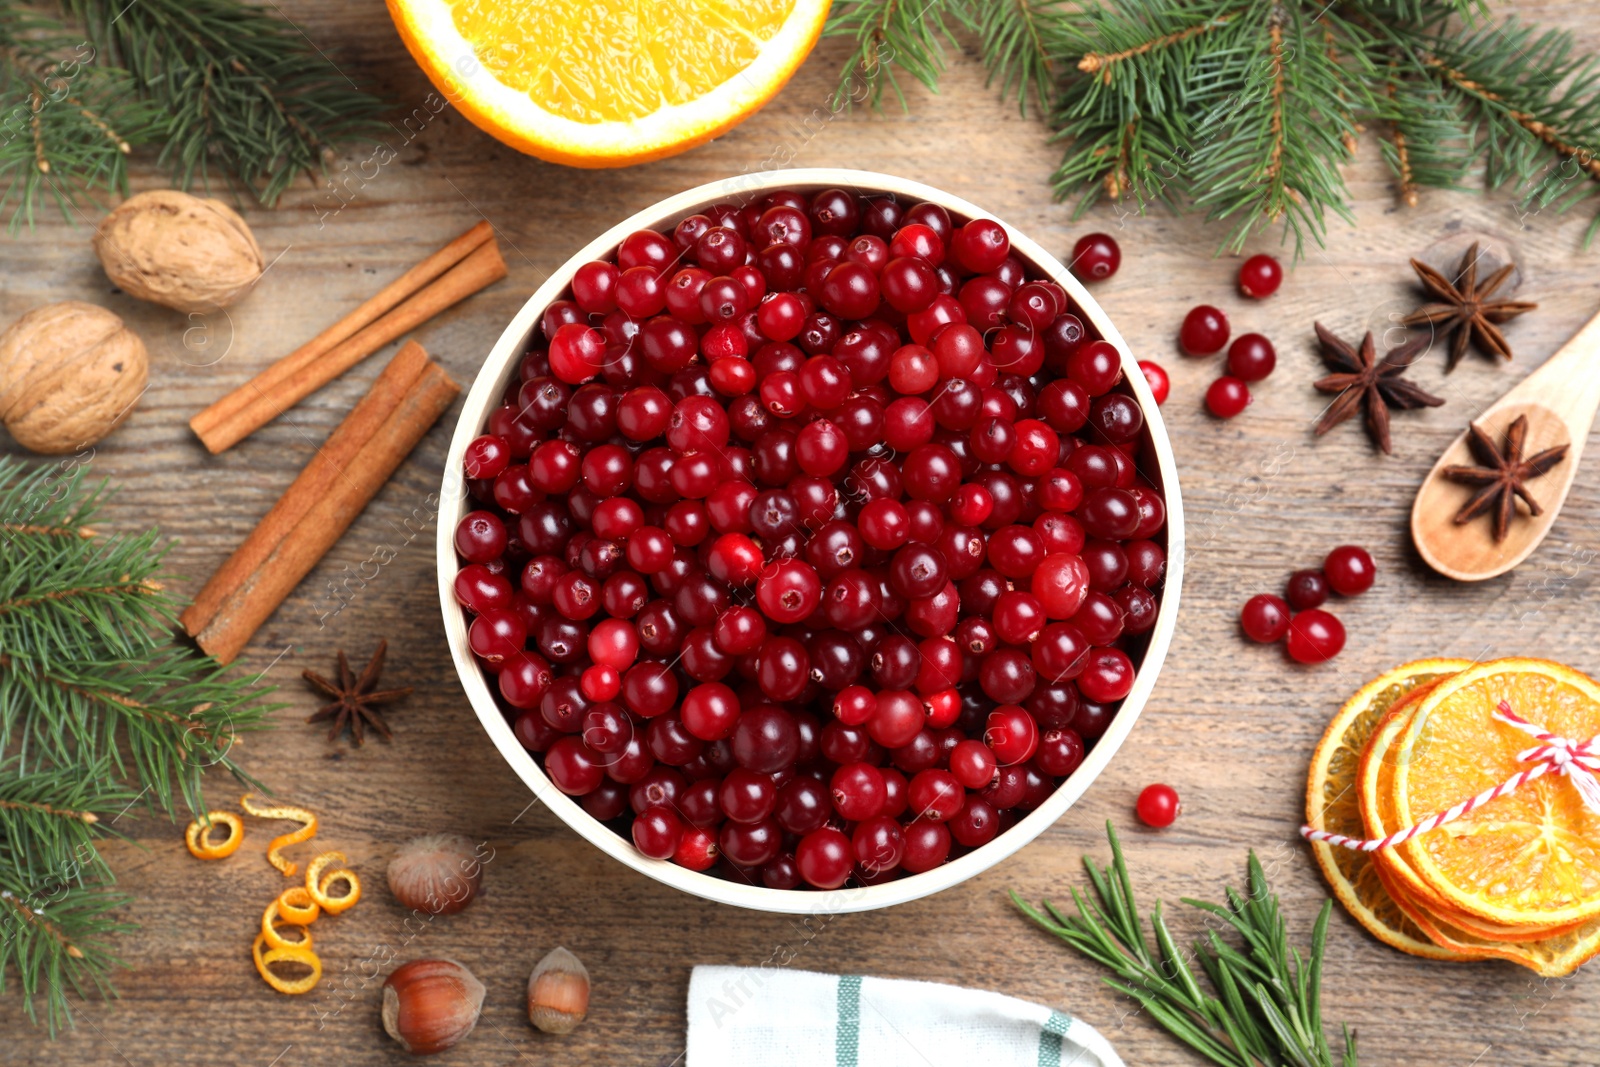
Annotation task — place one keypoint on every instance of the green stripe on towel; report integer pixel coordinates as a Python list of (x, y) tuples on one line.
[(847, 1037), (1055, 1028)]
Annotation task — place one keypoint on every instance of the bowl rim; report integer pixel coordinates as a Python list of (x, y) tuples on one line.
[(489, 385)]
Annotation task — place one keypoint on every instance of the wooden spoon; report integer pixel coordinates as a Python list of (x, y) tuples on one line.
[(1559, 399)]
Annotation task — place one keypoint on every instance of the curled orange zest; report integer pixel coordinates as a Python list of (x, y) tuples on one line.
[(278, 844), (296, 906), (198, 836), (269, 920), (318, 883), (290, 954)]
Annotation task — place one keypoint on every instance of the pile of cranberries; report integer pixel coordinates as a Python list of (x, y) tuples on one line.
[(1314, 635), (809, 543)]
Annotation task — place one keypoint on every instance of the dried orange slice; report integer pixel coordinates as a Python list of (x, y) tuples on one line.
[(1333, 805), (1376, 788), (606, 84), (1531, 856)]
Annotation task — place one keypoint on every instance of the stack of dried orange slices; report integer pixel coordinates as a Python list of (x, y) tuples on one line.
[(1516, 875)]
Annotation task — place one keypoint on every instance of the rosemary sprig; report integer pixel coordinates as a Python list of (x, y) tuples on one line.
[(1267, 1011)]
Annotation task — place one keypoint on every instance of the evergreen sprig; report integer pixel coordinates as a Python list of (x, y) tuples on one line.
[(217, 85), (99, 711), (1248, 109), (1266, 1009)]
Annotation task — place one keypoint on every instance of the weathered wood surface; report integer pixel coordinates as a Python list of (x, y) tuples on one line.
[(1230, 725)]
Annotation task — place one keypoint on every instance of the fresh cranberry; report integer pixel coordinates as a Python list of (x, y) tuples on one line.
[(1306, 589), (1260, 276), (1251, 357), (1155, 376), (1350, 570), (1227, 397), (1158, 806), (1095, 257), (1264, 618), (1315, 636), (1204, 331)]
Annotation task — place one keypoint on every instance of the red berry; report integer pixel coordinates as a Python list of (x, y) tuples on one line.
[(1350, 570), (1315, 636), (1264, 618), (1227, 397), (1251, 357), (1095, 257), (1155, 376), (1260, 276), (1306, 589), (1204, 331), (1158, 806)]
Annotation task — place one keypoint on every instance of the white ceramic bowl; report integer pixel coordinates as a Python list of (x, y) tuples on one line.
[(497, 373)]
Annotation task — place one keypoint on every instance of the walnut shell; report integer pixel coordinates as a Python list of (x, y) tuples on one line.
[(178, 250), (69, 374)]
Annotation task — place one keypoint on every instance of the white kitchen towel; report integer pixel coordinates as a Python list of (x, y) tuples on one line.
[(775, 1017)]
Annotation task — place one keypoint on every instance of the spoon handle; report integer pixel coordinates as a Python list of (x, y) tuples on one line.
[(1568, 383)]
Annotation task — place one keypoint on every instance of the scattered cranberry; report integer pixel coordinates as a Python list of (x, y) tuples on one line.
[(1227, 397), (1315, 636), (1158, 806), (1306, 589), (1265, 618), (1204, 331), (1155, 376), (1251, 357), (1350, 570), (1259, 277), (1095, 257), (809, 547)]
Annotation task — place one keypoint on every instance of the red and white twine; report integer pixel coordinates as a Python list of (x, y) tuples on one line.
[(1578, 761)]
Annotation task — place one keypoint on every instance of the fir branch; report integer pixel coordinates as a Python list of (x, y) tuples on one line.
[(1268, 1008), (242, 89), (909, 34), (1020, 42), (99, 709)]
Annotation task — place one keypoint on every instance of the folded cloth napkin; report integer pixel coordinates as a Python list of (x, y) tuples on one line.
[(773, 1017)]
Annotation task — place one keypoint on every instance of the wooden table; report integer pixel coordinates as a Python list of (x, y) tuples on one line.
[(1231, 725)]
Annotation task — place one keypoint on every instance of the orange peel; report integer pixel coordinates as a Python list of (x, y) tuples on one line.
[(266, 956), (296, 907), (319, 880), (269, 922), (197, 836), (276, 846)]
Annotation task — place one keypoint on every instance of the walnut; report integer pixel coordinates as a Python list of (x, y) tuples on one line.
[(69, 373), (179, 250)]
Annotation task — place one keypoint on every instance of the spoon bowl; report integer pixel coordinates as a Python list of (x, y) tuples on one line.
[(1559, 400)]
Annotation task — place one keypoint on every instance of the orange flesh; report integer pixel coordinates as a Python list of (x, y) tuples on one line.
[(596, 62)]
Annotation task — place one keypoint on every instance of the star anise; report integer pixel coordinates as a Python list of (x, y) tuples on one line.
[(1462, 309), (355, 699), (1502, 475), (1362, 378)]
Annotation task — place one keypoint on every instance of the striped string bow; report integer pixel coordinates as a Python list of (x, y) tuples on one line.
[(1577, 760)]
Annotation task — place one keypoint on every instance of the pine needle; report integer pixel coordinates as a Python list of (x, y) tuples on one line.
[(99, 711), (1266, 1010), (1248, 109)]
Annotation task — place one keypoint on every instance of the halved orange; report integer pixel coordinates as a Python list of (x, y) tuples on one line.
[(591, 83), (1532, 856), (1333, 804)]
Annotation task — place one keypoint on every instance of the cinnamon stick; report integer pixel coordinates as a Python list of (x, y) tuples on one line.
[(255, 599), (396, 292), (315, 482), (275, 390)]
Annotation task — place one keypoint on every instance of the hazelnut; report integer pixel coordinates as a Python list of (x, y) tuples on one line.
[(178, 250), (437, 873), (558, 993), (429, 1005), (69, 374)]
